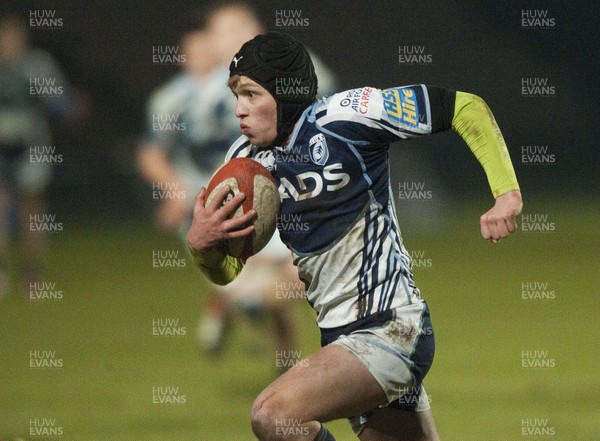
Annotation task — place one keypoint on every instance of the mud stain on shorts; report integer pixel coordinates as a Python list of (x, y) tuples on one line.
[(402, 334)]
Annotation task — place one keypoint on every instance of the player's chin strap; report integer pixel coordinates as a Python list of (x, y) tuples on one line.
[(324, 435)]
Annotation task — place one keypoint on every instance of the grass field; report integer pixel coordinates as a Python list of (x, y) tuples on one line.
[(101, 332)]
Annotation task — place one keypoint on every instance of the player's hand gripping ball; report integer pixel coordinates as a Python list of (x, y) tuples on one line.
[(251, 178)]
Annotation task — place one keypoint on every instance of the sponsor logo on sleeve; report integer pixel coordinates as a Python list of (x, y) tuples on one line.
[(400, 104), (358, 100)]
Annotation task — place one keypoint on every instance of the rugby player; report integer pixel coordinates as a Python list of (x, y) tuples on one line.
[(376, 334)]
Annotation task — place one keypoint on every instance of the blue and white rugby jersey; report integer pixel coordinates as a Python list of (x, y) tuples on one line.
[(337, 213)]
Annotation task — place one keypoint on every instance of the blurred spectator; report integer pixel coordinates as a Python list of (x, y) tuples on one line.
[(33, 89)]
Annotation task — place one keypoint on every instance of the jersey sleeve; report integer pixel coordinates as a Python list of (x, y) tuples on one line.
[(372, 116)]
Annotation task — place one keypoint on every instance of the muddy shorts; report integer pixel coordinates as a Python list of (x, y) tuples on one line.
[(397, 348)]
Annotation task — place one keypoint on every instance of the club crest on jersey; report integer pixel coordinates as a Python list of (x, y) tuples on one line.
[(317, 147)]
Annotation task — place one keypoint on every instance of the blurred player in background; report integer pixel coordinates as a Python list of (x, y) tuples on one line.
[(231, 24), (183, 155), (185, 158), (376, 332), (33, 88), (184, 137)]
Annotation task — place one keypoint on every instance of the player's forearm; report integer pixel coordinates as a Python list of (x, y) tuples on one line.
[(474, 122), (217, 266)]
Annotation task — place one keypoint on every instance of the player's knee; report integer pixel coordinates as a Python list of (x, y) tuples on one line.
[(264, 416), (273, 418)]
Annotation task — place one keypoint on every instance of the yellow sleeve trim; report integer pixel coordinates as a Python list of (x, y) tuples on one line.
[(474, 122), (217, 266)]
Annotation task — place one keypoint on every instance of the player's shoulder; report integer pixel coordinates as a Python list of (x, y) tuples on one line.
[(171, 94), (394, 108), (350, 105), (352, 114), (369, 101), (217, 79), (241, 148)]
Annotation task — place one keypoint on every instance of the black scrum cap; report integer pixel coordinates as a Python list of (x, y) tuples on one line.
[(282, 65)]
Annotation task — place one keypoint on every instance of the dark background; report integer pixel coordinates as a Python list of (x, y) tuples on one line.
[(105, 48)]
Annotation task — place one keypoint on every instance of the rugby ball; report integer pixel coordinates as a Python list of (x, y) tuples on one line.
[(251, 178)]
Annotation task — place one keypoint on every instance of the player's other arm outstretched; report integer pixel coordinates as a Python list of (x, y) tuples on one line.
[(410, 111), (474, 122)]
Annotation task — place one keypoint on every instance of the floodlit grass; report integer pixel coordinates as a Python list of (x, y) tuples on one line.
[(111, 361)]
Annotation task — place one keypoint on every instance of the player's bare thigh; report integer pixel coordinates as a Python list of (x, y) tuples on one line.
[(400, 425), (331, 383)]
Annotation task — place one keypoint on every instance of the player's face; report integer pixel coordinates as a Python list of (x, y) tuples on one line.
[(257, 111)]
